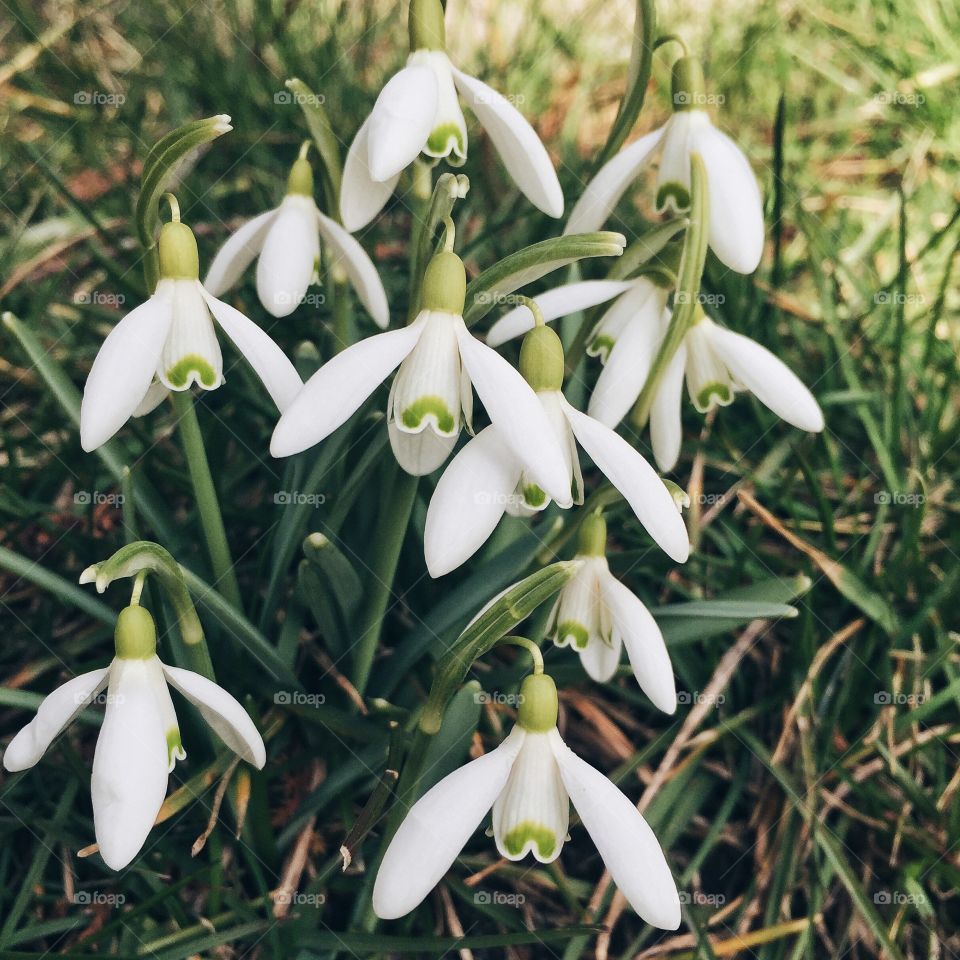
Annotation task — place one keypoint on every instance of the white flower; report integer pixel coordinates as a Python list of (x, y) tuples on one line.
[(488, 478), (169, 343), (735, 207), (287, 240), (418, 112), (597, 616), (716, 364), (440, 363), (529, 781), (139, 741)]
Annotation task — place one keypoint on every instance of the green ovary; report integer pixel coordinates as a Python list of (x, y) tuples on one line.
[(719, 391), (179, 374), (543, 838), (571, 631), (439, 141), (434, 407), (676, 192)]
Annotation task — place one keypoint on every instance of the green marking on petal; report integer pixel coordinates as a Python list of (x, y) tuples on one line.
[(174, 746), (675, 193), (433, 407), (572, 632), (444, 140), (534, 496), (600, 346), (543, 838), (192, 365), (713, 392)]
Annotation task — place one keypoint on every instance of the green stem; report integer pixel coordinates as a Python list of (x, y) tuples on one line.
[(529, 646), (342, 313), (225, 577), (395, 509)]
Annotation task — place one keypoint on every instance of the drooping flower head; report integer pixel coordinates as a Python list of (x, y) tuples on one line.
[(432, 395), (170, 343), (529, 781), (287, 242), (487, 478), (139, 741), (735, 230), (418, 112)]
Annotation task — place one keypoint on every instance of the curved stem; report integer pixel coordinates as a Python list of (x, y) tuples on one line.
[(535, 654), (225, 577), (671, 38), (174, 206)]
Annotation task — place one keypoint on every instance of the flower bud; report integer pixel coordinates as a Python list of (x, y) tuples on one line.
[(541, 359), (426, 26), (135, 636), (445, 284), (687, 84), (300, 179), (179, 259), (538, 704), (592, 538)]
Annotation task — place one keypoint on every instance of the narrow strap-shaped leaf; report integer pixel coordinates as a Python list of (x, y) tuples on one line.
[(328, 147)]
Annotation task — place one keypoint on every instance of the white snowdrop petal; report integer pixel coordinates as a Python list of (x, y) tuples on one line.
[(610, 183), (520, 149), (771, 381), (362, 197), (268, 361), (736, 207), (344, 250), (468, 502), (191, 353), (666, 427), (288, 260), (558, 302), (237, 253), (337, 390), (601, 657), (131, 761), (436, 829), (623, 839), (627, 470), (124, 367), (56, 711), (673, 176), (634, 624), (420, 453), (222, 711), (401, 120)]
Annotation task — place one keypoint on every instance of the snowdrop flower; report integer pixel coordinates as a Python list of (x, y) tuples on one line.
[(432, 395), (287, 241), (716, 363), (621, 337), (139, 741), (736, 209), (170, 342), (487, 478), (529, 781), (418, 112), (597, 616)]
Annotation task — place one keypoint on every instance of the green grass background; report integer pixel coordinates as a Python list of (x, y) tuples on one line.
[(811, 808)]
